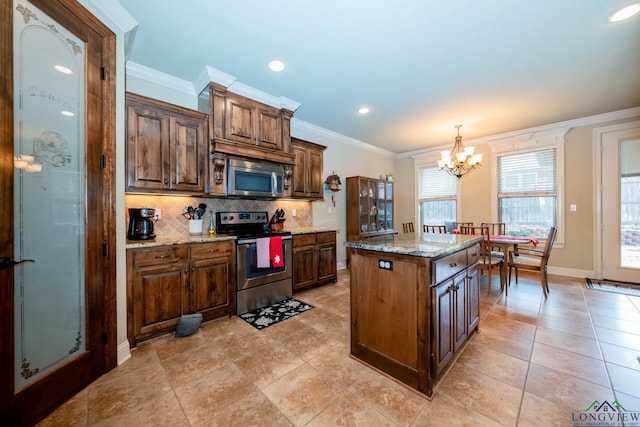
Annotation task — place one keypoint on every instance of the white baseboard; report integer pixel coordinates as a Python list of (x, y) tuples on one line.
[(124, 353), (570, 272), (342, 265)]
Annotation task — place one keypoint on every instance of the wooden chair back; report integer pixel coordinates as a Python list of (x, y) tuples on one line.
[(478, 230), (534, 259), (496, 228), (407, 227), (440, 229), (458, 225)]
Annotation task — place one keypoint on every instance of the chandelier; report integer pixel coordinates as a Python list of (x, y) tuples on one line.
[(460, 160)]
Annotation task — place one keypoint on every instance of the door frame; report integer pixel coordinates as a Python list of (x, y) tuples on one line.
[(598, 135), (101, 249)]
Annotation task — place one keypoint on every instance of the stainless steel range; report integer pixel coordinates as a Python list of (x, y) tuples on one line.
[(257, 286)]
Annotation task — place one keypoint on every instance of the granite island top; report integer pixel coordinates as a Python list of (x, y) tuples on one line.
[(424, 245)]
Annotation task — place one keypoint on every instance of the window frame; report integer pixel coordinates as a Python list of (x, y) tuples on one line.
[(527, 143)]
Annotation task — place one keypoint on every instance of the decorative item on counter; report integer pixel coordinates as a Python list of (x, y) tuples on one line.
[(333, 183), (212, 227), (277, 220)]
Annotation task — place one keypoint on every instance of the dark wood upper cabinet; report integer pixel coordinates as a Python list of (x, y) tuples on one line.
[(307, 182), (166, 147)]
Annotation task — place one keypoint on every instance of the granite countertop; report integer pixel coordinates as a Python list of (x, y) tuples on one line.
[(305, 230), (425, 245), (177, 240)]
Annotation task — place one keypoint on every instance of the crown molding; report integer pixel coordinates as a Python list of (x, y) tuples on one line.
[(210, 74), (526, 134), (305, 130), (157, 77)]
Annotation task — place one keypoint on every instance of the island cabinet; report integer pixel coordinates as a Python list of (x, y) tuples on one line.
[(165, 148), (307, 182), (314, 259), (165, 282), (412, 309)]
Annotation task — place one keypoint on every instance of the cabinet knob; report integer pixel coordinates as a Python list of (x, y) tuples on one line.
[(193, 269), (453, 264), (161, 256), (166, 181)]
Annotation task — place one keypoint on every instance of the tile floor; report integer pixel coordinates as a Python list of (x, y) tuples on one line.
[(534, 363)]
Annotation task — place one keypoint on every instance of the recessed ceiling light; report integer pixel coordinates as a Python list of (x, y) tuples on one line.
[(276, 65), (364, 110), (625, 13), (63, 69)]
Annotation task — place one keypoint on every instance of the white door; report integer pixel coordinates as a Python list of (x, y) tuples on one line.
[(620, 206)]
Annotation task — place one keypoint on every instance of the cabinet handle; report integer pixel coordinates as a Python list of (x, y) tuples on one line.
[(457, 287), (161, 256), (166, 181), (187, 270), (453, 264), (193, 269), (212, 250)]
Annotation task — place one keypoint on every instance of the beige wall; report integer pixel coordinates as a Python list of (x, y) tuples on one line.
[(476, 199)]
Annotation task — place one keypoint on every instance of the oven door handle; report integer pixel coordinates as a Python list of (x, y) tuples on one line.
[(253, 240)]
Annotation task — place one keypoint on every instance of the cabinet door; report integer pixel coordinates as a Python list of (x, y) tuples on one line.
[(459, 311), (239, 121), (473, 298), (147, 148), (210, 287), (160, 298), (304, 272), (314, 174), (298, 184), (268, 128), (443, 344), (187, 142), (326, 262)]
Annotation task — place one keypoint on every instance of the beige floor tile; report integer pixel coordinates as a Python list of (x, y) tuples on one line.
[(536, 412), (631, 315), (396, 401), (574, 392), (518, 314), (569, 326), (350, 411), (168, 345), (628, 326), (195, 363), (516, 347), (570, 363), (74, 412), (267, 364), (490, 397), (307, 342), (444, 411), (622, 339), (213, 393), (302, 394), (570, 342), (624, 379), (565, 313), (253, 410), (154, 409), (494, 364), (623, 356), (507, 328)]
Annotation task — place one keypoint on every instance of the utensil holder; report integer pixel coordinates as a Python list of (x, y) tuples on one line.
[(195, 226)]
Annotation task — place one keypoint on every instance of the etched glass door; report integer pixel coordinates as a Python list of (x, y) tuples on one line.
[(49, 193)]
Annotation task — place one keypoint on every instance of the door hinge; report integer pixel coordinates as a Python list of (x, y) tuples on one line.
[(103, 161), (103, 73), (105, 337), (104, 248)]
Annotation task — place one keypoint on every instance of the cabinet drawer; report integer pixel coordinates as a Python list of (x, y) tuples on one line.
[(450, 265), (473, 254), (209, 250), (304, 239), (158, 255), (326, 237)]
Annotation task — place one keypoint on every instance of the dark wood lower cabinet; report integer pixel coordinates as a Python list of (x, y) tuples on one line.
[(314, 259), (165, 282)]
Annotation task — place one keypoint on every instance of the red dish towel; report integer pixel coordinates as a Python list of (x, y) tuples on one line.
[(275, 252), (262, 252)]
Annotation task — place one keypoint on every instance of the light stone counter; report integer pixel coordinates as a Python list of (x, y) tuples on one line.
[(306, 230), (425, 245), (177, 240)]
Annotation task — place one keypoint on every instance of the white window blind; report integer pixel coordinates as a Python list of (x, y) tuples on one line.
[(433, 183), (533, 171)]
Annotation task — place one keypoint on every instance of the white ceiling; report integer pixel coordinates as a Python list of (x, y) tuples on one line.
[(422, 66)]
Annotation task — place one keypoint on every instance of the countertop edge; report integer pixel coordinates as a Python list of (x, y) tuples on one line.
[(409, 247)]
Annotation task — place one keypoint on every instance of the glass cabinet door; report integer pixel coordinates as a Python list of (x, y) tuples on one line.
[(364, 205), (388, 205)]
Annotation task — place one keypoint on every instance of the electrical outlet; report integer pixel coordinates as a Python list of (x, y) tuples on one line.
[(158, 214), (573, 208), (293, 212)]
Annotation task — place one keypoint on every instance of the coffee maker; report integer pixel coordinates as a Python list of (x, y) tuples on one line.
[(141, 224)]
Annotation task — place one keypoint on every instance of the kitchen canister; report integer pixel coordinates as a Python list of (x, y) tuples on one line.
[(195, 226)]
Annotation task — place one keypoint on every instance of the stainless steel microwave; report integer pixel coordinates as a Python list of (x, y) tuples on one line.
[(254, 179)]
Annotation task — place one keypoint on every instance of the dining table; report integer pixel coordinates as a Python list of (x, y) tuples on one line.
[(504, 243)]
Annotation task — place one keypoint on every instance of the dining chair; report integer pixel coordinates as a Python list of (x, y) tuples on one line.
[(488, 259), (440, 229), (458, 225), (407, 227), (496, 228), (534, 259)]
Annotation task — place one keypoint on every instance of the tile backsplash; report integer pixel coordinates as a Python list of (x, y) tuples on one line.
[(173, 223)]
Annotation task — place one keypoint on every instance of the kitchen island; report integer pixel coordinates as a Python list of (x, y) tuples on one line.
[(415, 301)]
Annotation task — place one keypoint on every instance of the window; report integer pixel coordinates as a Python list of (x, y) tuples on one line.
[(437, 196), (528, 191)]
